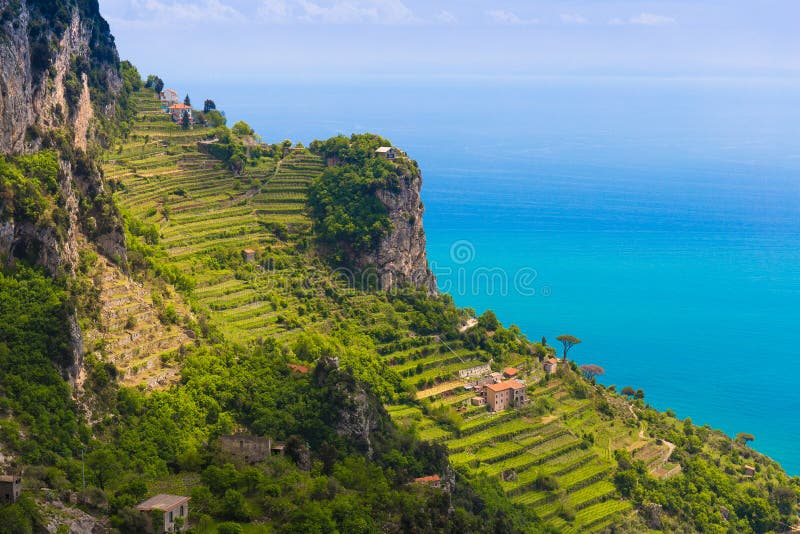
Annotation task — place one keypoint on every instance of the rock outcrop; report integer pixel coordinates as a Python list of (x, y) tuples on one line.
[(55, 58), (47, 57), (400, 259)]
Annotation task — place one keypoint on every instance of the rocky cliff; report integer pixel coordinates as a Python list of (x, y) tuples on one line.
[(52, 55), (59, 70), (400, 257)]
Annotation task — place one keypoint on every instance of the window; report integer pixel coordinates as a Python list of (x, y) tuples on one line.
[(170, 517)]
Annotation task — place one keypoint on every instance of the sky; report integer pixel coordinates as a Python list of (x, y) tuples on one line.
[(253, 40)]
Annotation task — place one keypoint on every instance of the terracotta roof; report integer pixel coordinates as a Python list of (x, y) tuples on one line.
[(162, 502), (510, 371), (508, 384), (552, 360), (431, 478), (249, 251), (180, 106), (298, 368)]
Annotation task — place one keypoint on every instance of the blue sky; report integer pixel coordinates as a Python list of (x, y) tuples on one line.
[(240, 40)]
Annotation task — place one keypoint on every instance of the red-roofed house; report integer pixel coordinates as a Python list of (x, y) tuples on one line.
[(176, 110), (173, 506), (510, 372), (249, 255), (550, 366), (299, 368), (433, 481), (509, 393)]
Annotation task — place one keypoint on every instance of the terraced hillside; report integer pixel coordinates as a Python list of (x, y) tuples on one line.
[(206, 216), (194, 218), (544, 453)]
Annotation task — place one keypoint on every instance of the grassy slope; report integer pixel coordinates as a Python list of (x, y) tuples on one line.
[(204, 212)]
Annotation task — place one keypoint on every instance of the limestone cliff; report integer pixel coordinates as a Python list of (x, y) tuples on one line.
[(400, 257), (55, 58), (59, 69)]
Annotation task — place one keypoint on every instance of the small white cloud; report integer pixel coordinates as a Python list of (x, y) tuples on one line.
[(164, 13), (573, 18), (446, 17), (274, 10), (337, 11), (616, 21), (501, 16), (651, 19)]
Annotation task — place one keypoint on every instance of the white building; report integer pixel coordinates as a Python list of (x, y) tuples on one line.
[(173, 507), (387, 152), (169, 97)]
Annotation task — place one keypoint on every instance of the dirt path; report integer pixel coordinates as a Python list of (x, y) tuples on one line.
[(670, 446)]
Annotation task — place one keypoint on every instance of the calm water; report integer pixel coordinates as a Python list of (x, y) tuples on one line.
[(659, 222)]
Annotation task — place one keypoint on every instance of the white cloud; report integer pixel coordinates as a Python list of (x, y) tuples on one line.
[(338, 11), (169, 11), (446, 17), (573, 18), (274, 10), (501, 16), (651, 19)]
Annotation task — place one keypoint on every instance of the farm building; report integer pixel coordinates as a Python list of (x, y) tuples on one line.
[(174, 507), (247, 449), (550, 366), (387, 152), (505, 394), (10, 488), (169, 97)]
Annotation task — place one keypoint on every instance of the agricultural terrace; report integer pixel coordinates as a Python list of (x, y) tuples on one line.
[(190, 217)]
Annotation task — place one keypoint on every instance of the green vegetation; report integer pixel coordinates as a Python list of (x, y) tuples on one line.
[(576, 458), (348, 216)]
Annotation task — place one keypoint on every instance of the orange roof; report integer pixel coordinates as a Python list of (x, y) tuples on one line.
[(298, 368), (431, 478), (508, 384), (180, 106), (552, 360), (510, 371), (162, 502), (249, 251)]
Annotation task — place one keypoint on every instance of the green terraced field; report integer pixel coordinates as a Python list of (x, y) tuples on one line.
[(204, 213)]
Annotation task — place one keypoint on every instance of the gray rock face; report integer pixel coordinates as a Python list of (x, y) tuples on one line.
[(401, 259), (40, 52)]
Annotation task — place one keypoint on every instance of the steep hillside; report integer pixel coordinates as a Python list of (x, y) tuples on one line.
[(577, 456), (168, 289)]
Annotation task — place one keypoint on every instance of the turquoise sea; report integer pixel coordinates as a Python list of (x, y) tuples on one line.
[(658, 220)]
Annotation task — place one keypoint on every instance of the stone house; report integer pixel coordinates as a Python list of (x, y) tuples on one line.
[(510, 372), (10, 488), (505, 394), (749, 470), (246, 449), (387, 152), (550, 366), (249, 255), (478, 401), (478, 370), (174, 507), (434, 481)]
